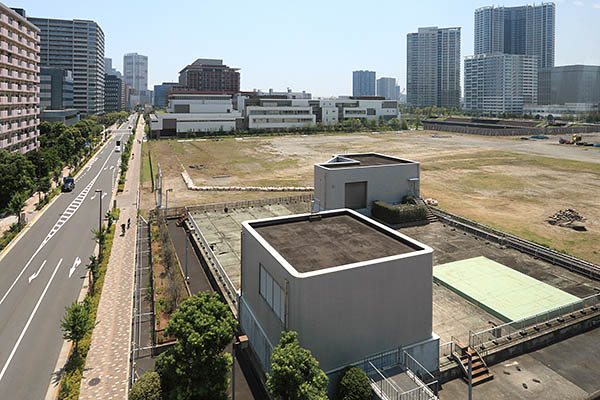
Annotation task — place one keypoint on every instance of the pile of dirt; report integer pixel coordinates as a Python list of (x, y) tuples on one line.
[(567, 218)]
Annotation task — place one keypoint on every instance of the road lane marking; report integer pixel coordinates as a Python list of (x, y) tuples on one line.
[(55, 228), (32, 277), (16, 346), (74, 267)]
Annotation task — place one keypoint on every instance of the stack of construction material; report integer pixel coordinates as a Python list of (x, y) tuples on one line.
[(567, 218)]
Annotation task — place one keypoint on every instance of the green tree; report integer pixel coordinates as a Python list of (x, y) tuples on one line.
[(354, 385), (43, 186), (147, 387), (77, 322), (196, 367), (17, 204), (404, 125), (94, 268), (17, 175), (295, 373)]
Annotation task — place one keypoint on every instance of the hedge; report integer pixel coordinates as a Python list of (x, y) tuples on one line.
[(398, 214)]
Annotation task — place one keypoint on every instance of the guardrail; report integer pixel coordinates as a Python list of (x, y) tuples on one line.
[(250, 203), (230, 291), (486, 340), (525, 246), (384, 387)]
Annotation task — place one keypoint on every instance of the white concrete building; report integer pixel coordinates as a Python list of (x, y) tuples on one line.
[(355, 181), (350, 287), (279, 117)]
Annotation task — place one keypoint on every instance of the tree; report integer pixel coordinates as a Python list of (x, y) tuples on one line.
[(196, 367), (94, 268), (43, 186), (354, 385), (295, 373), (17, 204), (404, 125), (16, 176), (147, 387), (77, 322)]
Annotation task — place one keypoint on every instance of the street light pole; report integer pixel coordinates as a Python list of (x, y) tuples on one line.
[(99, 192), (167, 202)]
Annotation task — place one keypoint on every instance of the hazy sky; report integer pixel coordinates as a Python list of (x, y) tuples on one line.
[(306, 45)]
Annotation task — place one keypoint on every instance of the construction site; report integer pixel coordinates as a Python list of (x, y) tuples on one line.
[(514, 315)]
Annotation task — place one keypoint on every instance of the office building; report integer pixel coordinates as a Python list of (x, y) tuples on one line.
[(527, 30), (386, 87), (135, 71), (112, 93), (433, 67), (363, 83), (78, 46), (160, 94), (125, 95), (209, 75), (500, 83), (577, 84), (56, 89), (19, 82)]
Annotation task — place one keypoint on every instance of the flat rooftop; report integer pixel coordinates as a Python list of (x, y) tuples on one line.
[(320, 241), (505, 293), (363, 160)]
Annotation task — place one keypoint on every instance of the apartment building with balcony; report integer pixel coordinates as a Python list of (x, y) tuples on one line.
[(78, 46), (19, 82)]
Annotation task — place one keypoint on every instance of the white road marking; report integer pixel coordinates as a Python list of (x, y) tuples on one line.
[(77, 202), (16, 346), (32, 277), (74, 267)]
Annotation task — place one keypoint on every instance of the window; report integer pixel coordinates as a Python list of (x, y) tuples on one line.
[(273, 294)]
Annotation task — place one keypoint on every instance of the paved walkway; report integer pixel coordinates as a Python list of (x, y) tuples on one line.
[(106, 373)]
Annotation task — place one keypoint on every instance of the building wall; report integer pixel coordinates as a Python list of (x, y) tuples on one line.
[(210, 75), (498, 83), (389, 183), (19, 82), (386, 87), (112, 93), (77, 46), (135, 71), (280, 117), (343, 315), (56, 89), (160, 94), (569, 84), (363, 83), (433, 67)]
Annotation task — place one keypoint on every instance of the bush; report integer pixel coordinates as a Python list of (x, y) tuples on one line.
[(398, 214), (147, 387), (354, 385)]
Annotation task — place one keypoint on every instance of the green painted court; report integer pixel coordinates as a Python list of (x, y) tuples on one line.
[(500, 290)]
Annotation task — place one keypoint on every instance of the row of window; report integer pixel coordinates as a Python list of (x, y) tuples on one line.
[(272, 293)]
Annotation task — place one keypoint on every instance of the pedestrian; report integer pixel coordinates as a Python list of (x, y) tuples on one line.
[(128, 222), (122, 229)]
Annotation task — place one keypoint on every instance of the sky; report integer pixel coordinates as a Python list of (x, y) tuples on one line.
[(304, 45)]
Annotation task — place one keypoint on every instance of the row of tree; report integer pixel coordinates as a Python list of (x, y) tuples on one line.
[(60, 146), (197, 366)]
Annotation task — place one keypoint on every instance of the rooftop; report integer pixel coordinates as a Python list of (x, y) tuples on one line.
[(315, 242), (363, 160)]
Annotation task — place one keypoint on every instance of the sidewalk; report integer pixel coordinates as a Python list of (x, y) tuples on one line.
[(106, 373)]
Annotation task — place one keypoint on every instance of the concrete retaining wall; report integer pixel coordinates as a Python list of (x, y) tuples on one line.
[(440, 126)]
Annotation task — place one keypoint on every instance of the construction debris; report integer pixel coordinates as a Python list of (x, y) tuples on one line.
[(568, 218)]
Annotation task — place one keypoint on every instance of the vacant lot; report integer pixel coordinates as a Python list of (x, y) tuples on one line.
[(507, 183)]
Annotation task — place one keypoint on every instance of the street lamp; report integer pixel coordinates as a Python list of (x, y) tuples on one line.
[(167, 202)]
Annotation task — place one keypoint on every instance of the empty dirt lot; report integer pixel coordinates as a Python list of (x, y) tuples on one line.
[(507, 183)]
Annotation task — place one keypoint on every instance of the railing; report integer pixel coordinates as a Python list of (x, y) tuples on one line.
[(486, 340), (525, 246), (231, 292), (422, 376), (306, 197), (446, 350), (384, 387)]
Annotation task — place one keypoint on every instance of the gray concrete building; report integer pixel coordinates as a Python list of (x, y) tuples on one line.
[(386, 87), (363, 83), (354, 181), (56, 89), (433, 67), (500, 83), (78, 46), (527, 30), (112, 93), (349, 286), (577, 84), (135, 71)]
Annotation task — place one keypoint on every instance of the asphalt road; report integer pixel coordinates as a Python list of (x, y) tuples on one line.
[(41, 275)]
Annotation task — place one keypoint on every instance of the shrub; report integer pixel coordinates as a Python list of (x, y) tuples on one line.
[(398, 214), (354, 385), (147, 387)]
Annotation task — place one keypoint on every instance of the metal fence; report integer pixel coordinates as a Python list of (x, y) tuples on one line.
[(297, 198), (256, 336), (486, 340), (213, 262)]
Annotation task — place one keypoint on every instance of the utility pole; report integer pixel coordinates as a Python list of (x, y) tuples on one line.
[(99, 193), (470, 377)]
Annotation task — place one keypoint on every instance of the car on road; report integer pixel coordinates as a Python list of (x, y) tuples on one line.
[(68, 184), (118, 147)]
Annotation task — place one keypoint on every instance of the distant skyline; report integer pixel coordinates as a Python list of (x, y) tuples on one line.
[(312, 46)]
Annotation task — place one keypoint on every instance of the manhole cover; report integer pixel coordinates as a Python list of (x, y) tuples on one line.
[(94, 381)]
